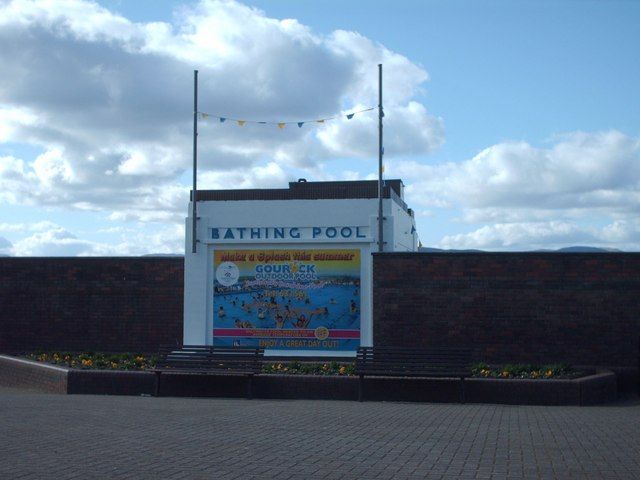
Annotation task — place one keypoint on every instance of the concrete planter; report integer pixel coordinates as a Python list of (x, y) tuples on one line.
[(110, 382), (594, 389), (597, 388), (16, 372)]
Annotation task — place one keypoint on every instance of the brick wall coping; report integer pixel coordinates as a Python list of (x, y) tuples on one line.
[(503, 254)]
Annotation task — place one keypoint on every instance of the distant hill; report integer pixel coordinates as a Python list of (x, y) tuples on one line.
[(440, 250), (580, 249), (573, 249)]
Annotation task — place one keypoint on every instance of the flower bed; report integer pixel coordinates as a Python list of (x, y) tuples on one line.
[(528, 371), (130, 361), (96, 361), (299, 368)]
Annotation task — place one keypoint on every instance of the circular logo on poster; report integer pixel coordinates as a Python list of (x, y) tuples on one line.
[(321, 333), (227, 274)]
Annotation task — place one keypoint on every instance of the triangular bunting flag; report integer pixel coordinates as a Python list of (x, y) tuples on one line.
[(413, 229), (281, 125)]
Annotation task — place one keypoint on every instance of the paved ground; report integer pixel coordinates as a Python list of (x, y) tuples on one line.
[(57, 436)]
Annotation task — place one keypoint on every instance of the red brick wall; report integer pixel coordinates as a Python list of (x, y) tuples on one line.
[(509, 307), (102, 304), (582, 309)]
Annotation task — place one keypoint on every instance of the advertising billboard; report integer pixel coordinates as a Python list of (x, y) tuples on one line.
[(290, 299)]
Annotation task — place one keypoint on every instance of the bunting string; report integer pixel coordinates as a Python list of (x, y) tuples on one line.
[(281, 125)]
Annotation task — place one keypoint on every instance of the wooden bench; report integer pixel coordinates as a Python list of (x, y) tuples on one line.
[(408, 362), (206, 359)]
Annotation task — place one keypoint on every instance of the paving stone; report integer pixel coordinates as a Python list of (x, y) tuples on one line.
[(83, 436)]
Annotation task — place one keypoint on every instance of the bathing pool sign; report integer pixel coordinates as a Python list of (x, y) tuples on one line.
[(287, 299)]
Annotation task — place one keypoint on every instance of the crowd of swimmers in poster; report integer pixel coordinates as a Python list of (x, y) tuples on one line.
[(333, 304)]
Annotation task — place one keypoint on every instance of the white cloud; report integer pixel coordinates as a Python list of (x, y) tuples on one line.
[(401, 76), (52, 168), (408, 129), (27, 227), (255, 177), (518, 236), (58, 241), (528, 196), (623, 235), (6, 246), (107, 103), (581, 171), (54, 242), (12, 120)]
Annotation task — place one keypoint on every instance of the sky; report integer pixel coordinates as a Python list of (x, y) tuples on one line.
[(515, 125)]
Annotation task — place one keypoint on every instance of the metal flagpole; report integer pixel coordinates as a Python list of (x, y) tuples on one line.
[(194, 214), (380, 153)]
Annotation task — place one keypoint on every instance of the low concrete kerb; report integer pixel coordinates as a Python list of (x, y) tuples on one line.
[(594, 389)]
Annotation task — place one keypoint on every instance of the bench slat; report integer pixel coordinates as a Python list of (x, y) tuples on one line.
[(203, 358), (440, 361)]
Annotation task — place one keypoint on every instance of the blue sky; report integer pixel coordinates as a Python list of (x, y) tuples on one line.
[(514, 124)]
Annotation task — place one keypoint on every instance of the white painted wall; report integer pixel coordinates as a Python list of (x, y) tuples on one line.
[(303, 214)]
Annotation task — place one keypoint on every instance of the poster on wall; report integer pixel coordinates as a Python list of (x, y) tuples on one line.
[(287, 299)]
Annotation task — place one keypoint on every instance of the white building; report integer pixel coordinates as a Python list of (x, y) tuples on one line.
[(290, 269)]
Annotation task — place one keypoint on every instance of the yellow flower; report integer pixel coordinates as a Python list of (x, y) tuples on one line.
[(342, 370)]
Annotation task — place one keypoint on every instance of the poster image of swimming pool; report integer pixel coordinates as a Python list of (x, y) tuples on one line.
[(287, 299)]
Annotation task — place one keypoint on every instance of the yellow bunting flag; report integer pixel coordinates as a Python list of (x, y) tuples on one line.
[(242, 122), (205, 115), (382, 169), (320, 121), (281, 125)]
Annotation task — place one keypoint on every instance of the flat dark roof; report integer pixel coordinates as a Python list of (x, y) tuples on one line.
[(311, 191)]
